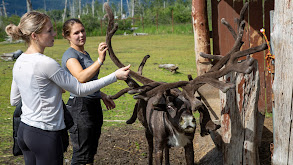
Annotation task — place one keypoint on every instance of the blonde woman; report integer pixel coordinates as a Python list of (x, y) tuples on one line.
[(38, 81)]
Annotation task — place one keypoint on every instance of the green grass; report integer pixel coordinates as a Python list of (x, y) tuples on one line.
[(166, 29), (163, 49)]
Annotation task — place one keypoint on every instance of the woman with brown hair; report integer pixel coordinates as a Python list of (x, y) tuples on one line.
[(86, 111), (38, 81)]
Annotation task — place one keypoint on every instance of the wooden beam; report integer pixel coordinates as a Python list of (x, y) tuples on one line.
[(201, 35)]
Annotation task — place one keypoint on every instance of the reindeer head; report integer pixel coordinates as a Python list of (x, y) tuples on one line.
[(178, 111)]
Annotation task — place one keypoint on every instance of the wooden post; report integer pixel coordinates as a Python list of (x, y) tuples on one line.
[(282, 39), (240, 118), (201, 35), (142, 23), (124, 22)]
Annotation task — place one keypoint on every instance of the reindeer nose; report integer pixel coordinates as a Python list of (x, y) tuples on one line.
[(188, 122)]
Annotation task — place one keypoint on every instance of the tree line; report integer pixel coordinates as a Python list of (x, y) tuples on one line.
[(138, 15)]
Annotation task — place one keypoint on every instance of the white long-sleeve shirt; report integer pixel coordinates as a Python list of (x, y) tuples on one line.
[(38, 81)]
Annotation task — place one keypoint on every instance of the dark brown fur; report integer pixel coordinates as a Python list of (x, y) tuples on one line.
[(161, 122)]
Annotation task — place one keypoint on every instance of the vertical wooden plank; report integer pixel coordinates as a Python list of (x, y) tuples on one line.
[(231, 126), (240, 119), (247, 95), (282, 38), (223, 40)]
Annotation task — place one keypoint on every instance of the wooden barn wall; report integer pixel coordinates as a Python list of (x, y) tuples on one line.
[(256, 18)]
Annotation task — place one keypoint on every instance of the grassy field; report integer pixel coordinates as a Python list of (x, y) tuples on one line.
[(163, 49)]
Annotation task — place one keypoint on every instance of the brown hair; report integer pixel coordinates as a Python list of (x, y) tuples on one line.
[(68, 25), (30, 22)]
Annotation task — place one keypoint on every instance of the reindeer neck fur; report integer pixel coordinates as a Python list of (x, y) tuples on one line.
[(160, 125)]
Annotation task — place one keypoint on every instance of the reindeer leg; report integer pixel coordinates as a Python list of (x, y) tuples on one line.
[(203, 130), (149, 137), (189, 153), (134, 114), (206, 123), (159, 148)]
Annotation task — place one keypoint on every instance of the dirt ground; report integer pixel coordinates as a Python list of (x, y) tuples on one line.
[(127, 144)]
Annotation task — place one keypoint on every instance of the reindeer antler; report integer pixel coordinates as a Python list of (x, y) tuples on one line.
[(112, 28), (225, 65)]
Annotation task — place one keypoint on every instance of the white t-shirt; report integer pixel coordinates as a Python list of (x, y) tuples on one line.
[(38, 81)]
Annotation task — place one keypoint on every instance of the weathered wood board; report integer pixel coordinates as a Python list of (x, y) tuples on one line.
[(240, 118), (282, 38)]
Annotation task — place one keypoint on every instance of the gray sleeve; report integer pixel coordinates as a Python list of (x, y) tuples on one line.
[(69, 53)]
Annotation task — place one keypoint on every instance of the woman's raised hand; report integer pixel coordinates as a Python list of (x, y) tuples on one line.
[(102, 51), (122, 73)]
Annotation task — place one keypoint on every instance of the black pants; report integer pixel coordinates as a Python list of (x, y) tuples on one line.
[(40, 147), (85, 133)]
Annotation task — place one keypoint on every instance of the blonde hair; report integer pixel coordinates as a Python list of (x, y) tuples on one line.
[(29, 23)]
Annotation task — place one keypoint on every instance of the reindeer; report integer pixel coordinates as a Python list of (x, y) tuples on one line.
[(164, 110)]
